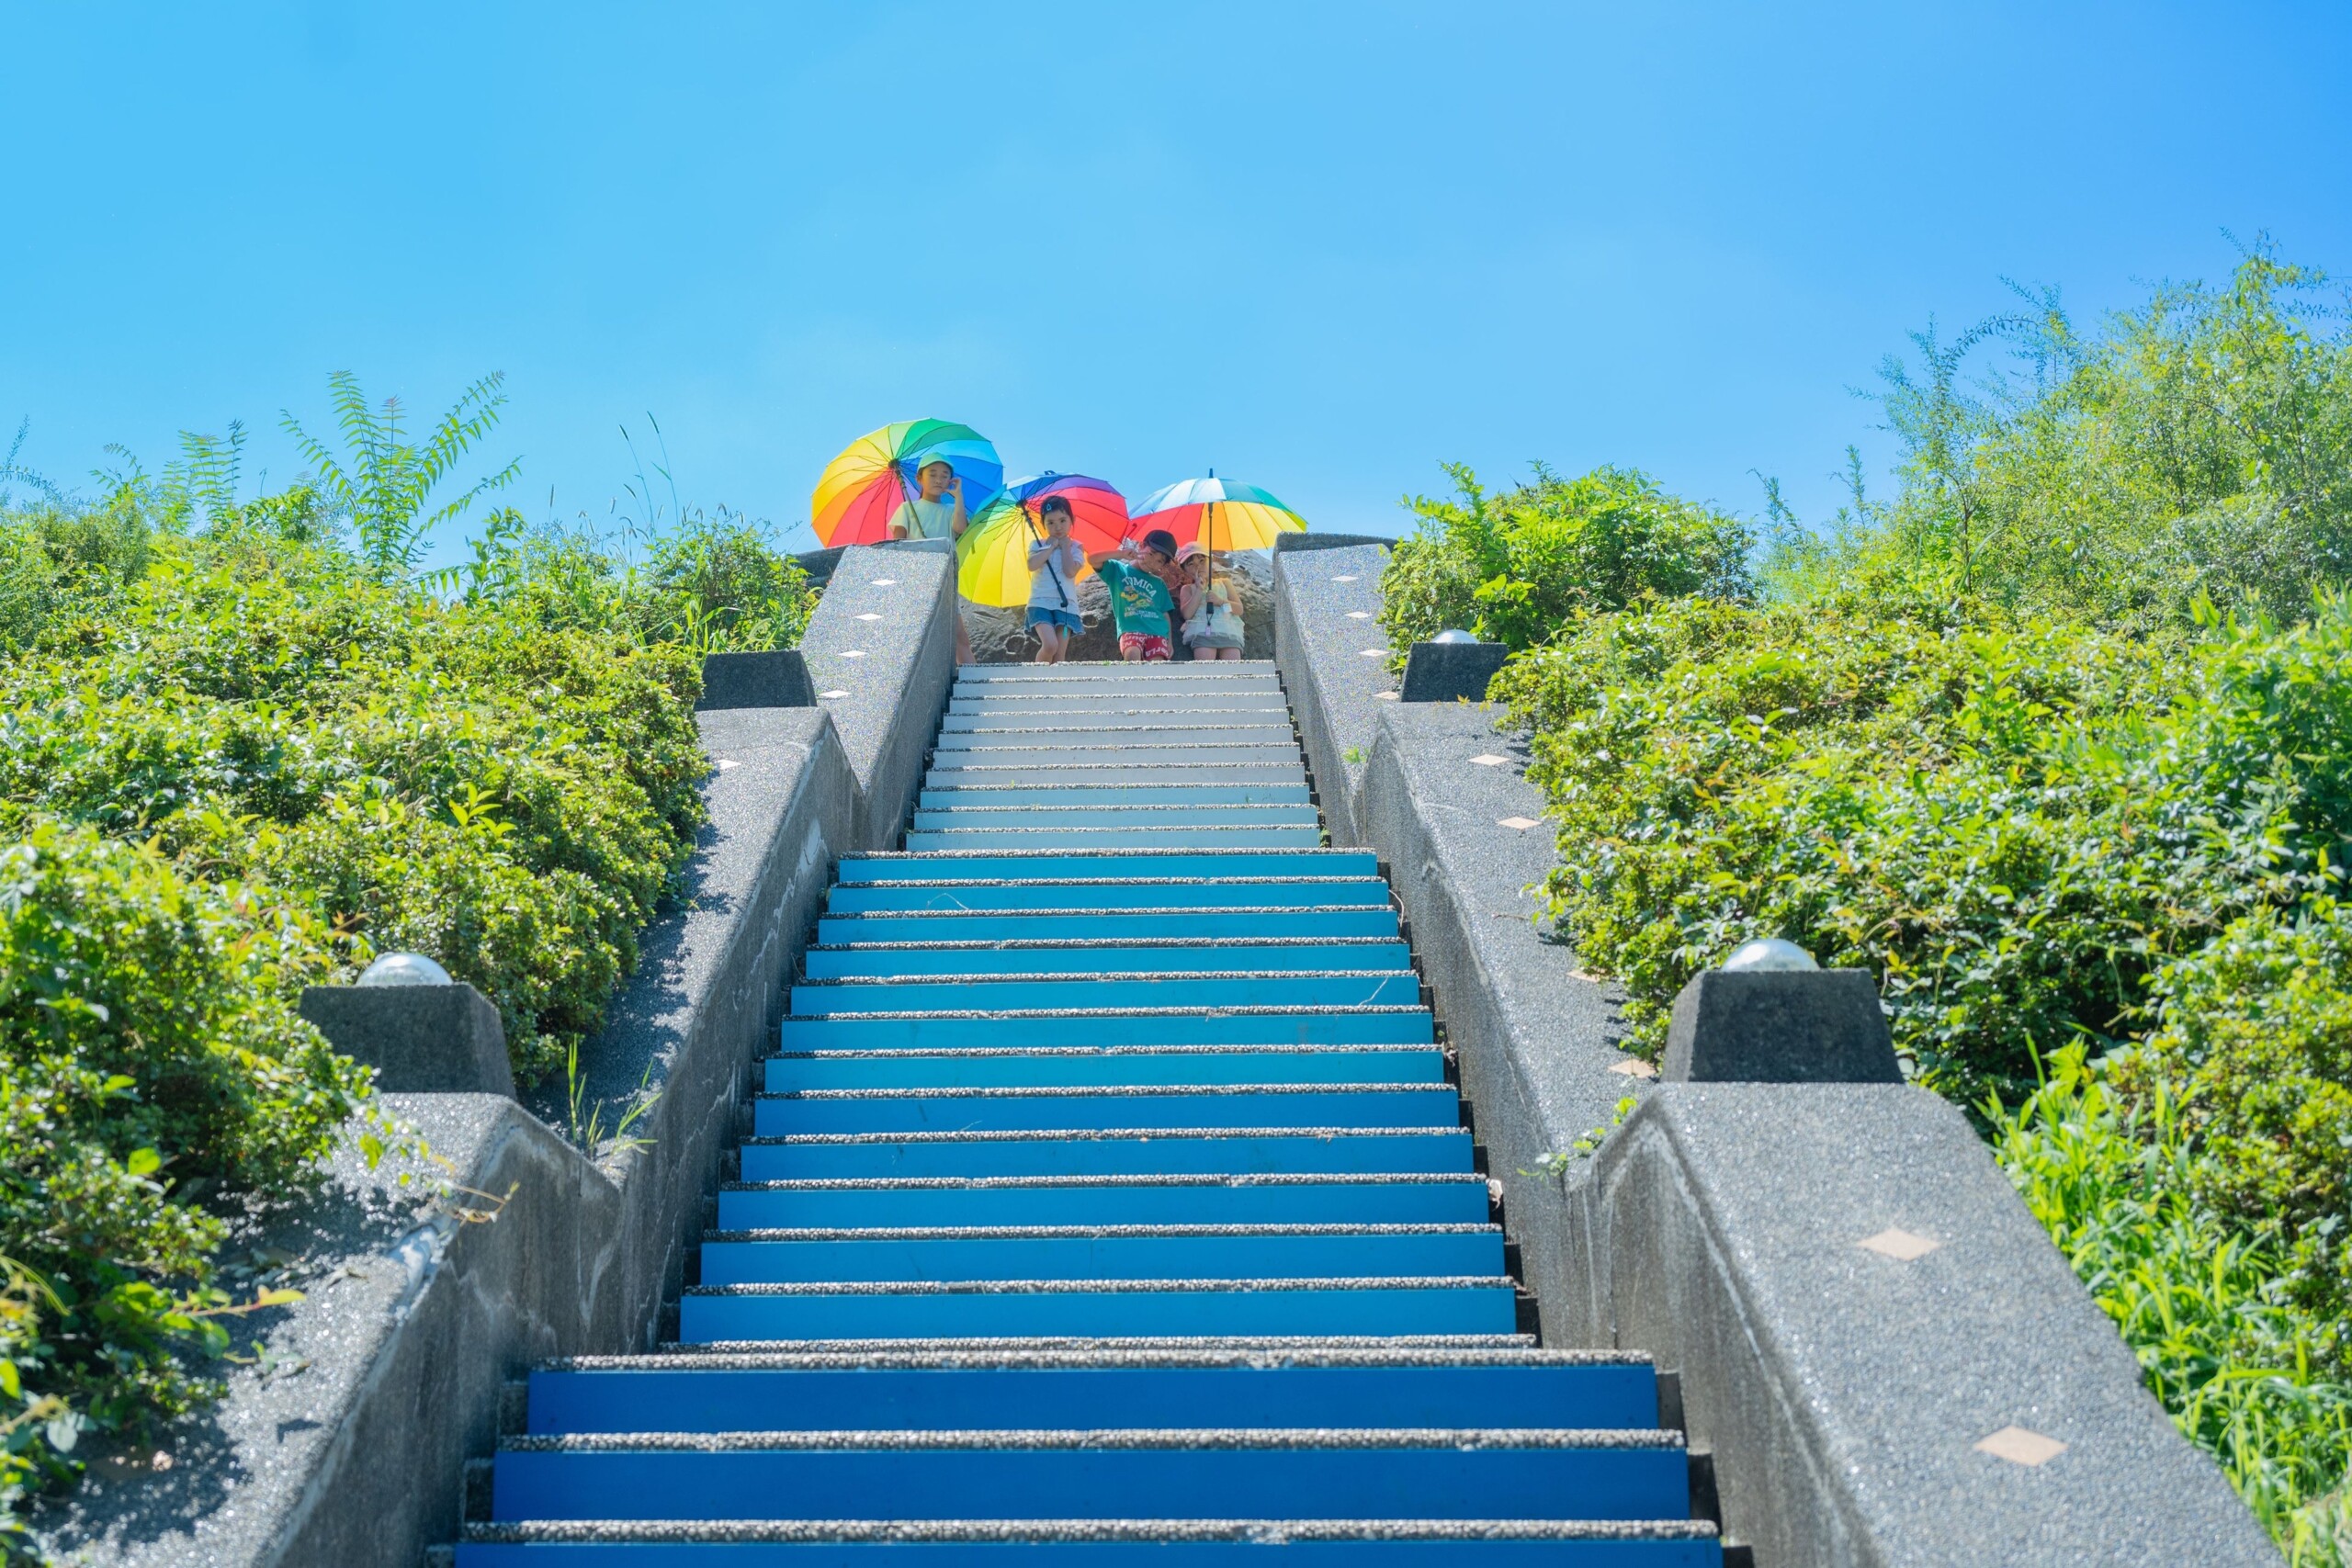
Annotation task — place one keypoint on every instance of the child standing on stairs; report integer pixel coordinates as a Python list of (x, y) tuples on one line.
[(1054, 564), (1212, 626), (1140, 602)]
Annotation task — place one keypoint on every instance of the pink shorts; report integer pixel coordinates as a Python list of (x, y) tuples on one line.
[(1155, 650)]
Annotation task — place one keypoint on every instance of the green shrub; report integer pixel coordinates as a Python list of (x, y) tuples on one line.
[(511, 799), (713, 585), (1512, 566), (2197, 447), (2119, 1181), (148, 1053), (2256, 1041)]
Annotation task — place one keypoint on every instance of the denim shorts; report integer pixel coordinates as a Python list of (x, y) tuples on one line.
[(1040, 615)]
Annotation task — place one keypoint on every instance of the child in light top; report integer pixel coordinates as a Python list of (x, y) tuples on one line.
[(1212, 626), (1055, 562), (1140, 602)]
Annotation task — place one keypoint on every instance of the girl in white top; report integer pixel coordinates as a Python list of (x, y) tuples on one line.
[(934, 515), (1054, 564)]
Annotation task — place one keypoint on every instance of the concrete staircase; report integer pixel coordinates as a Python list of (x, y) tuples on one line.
[(1108, 1197)]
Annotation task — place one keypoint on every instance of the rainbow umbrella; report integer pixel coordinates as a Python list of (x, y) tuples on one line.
[(1220, 513), (860, 490), (993, 555)]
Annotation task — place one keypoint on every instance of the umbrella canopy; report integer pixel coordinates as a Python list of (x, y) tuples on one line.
[(993, 555), (861, 490), (1222, 515)]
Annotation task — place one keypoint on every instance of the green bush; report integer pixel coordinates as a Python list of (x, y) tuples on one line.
[(1512, 566), (513, 799), (2118, 1181), (2033, 835), (2197, 447), (2255, 1041), (149, 1057), (715, 585)]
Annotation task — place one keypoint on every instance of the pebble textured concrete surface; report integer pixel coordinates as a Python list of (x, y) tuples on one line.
[(1333, 657), (1857, 1299), (433, 1039), (880, 652), (1780, 1026), (1535, 1036), (344, 1438)]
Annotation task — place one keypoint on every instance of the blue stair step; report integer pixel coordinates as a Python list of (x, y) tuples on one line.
[(983, 718), (1388, 1198), (1078, 864), (1247, 923), (1041, 750), (1080, 894), (1097, 1543), (1040, 1109), (1173, 1026), (1072, 1066), (1147, 814), (1271, 793), (1419, 1304), (1154, 1473), (1101, 958), (1061, 1151), (1170, 836), (913, 1390), (976, 772), (1054, 993), (1191, 732), (1101, 1252)]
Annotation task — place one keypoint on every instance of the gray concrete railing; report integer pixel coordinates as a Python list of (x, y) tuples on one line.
[(344, 1440), (1890, 1361)]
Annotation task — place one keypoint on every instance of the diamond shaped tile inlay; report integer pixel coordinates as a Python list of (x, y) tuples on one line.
[(727, 762), (1387, 696), (1634, 1069), (1350, 577), (2019, 1446), (1359, 614), (1522, 823), (882, 582), (852, 653), (832, 694), (1375, 653), (1488, 760), (869, 615), (1898, 1244)]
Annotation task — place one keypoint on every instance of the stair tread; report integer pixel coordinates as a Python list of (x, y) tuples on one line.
[(1054, 1437)]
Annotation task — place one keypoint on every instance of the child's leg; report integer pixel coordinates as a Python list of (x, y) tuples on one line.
[(1229, 653), (963, 639), (1049, 642)]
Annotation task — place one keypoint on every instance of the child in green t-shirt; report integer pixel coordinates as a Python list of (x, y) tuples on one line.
[(1140, 601)]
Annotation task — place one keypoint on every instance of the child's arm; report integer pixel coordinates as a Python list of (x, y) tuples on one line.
[(1096, 557), (1188, 599), (1040, 553)]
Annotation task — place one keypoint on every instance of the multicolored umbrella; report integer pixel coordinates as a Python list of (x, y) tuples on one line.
[(1223, 514), (861, 490), (993, 555)]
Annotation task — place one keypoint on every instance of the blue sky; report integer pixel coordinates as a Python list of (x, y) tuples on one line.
[(1321, 248)]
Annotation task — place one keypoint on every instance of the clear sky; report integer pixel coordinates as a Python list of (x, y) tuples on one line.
[(1319, 247)]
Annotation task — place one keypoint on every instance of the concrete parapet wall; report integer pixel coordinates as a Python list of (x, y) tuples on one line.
[(1535, 1038), (1857, 1299), (1843, 1389), (883, 641), (344, 1441), (1327, 604)]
